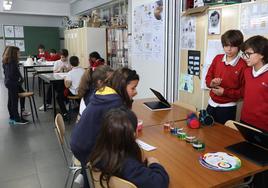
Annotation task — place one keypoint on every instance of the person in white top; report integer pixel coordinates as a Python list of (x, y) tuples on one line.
[(62, 65), (73, 77)]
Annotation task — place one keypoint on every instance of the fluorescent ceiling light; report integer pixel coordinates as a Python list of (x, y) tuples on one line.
[(7, 4)]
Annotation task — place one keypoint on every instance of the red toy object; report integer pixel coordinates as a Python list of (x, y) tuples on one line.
[(192, 121)]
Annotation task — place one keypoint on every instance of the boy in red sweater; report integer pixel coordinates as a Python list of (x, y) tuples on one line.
[(225, 78), (42, 54), (254, 110)]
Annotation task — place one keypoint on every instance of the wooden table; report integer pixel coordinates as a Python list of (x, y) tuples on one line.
[(180, 159), (151, 118)]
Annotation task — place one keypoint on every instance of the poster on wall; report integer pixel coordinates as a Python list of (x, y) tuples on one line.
[(254, 18), (214, 47), (214, 22), (186, 83), (9, 43), (188, 33), (194, 62), (20, 45), (148, 30), (18, 30), (9, 31)]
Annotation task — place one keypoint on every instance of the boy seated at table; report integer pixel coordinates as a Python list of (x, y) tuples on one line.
[(71, 82), (53, 55), (62, 65), (73, 77), (42, 54)]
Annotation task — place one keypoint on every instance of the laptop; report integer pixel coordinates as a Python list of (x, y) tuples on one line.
[(162, 104), (255, 148)]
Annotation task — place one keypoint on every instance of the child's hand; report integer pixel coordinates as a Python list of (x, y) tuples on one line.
[(151, 160), (218, 91), (215, 82)]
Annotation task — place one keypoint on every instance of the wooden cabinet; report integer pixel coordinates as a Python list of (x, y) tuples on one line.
[(81, 42)]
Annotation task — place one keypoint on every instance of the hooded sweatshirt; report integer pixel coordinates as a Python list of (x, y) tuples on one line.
[(85, 132)]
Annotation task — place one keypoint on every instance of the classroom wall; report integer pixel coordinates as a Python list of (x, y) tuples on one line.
[(33, 7), (230, 20), (80, 6), (150, 69)]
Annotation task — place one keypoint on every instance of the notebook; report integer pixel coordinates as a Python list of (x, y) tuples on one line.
[(255, 148), (162, 104)]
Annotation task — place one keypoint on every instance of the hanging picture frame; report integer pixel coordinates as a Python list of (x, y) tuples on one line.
[(214, 22)]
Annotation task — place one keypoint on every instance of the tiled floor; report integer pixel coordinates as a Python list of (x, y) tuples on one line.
[(30, 156)]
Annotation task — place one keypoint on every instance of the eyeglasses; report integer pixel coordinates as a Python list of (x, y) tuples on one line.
[(247, 54)]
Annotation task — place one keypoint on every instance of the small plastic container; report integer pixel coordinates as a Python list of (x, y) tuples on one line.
[(139, 126)]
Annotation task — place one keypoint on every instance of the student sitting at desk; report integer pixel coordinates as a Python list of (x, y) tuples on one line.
[(63, 64), (95, 60), (42, 54), (225, 78), (53, 55), (119, 91), (91, 81), (73, 77), (116, 153)]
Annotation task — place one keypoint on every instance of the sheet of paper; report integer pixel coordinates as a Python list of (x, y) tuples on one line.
[(145, 146), (61, 74)]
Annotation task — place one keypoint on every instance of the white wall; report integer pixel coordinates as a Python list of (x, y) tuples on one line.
[(151, 71), (38, 8), (80, 6)]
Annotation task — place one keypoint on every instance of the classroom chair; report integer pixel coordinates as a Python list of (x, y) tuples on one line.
[(230, 123), (187, 106), (115, 182), (73, 101), (73, 165), (30, 96)]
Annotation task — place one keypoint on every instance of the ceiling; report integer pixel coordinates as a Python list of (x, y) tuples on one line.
[(56, 1)]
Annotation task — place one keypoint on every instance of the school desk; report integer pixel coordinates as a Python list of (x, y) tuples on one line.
[(28, 67), (151, 118), (41, 70), (180, 159), (52, 79)]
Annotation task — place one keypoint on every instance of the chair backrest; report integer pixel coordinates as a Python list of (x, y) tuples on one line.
[(115, 182), (187, 106), (230, 123), (60, 133), (60, 126)]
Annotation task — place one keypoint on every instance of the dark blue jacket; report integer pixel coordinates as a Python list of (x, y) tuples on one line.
[(12, 73), (153, 176), (85, 132)]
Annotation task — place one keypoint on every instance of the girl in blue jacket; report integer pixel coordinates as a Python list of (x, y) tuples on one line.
[(116, 153), (13, 80), (116, 92)]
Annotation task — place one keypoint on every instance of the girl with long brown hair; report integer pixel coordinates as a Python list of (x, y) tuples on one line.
[(116, 153), (12, 81)]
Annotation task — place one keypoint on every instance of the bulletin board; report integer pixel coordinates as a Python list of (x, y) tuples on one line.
[(199, 97), (231, 18)]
